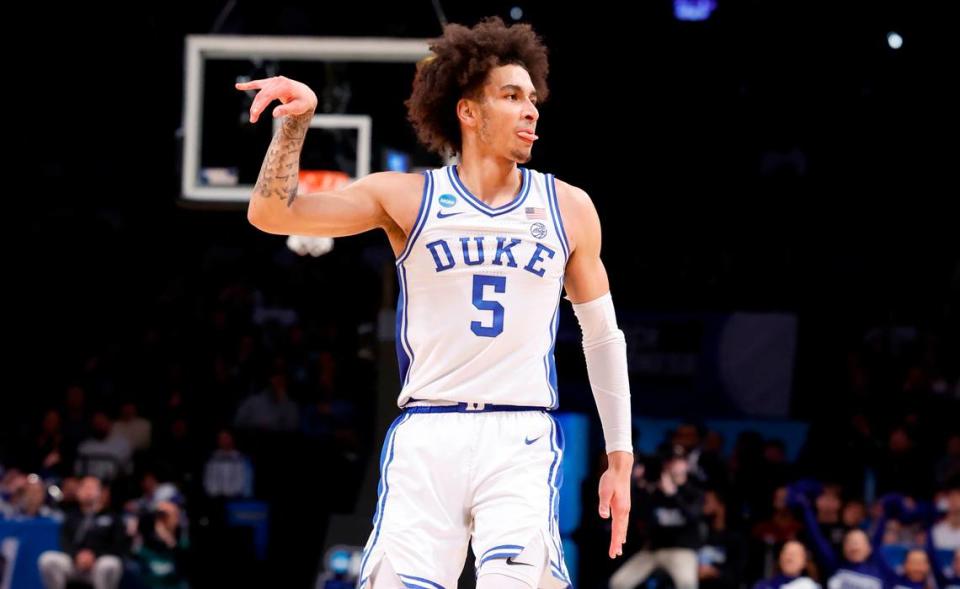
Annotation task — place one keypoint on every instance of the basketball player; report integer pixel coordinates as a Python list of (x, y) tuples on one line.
[(484, 249)]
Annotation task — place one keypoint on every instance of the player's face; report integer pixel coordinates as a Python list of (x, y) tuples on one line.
[(508, 113)]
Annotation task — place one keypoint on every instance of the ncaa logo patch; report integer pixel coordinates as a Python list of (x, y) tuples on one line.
[(538, 230), (447, 200)]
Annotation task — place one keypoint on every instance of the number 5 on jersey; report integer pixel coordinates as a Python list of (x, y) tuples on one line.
[(499, 284)]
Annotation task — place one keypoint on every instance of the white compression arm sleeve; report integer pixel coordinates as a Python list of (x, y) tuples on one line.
[(605, 349)]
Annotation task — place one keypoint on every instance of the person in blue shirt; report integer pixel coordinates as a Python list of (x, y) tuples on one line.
[(863, 567), (916, 571), (793, 565)]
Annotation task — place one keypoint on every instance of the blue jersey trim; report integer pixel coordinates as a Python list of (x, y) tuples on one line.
[(383, 489), (466, 408), (484, 207), (555, 213), (425, 201), (403, 359), (420, 580)]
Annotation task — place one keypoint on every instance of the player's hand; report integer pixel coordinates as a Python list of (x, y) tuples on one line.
[(296, 97), (615, 498)]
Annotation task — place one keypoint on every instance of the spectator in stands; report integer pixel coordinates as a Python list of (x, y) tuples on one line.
[(671, 507), (67, 497), (173, 407), (712, 462), (320, 419), (270, 410), (777, 469), (330, 420), (793, 567), (908, 521), (153, 492), (948, 577), (946, 532), (76, 420), (860, 567), (30, 501), (829, 504), (723, 555), (773, 525), (948, 467), (854, 514), (689, 436), (897, 532), (228, 473), (903, 468), (781, 525), (10, 487), (916, 571), (49, 454), (181, 456), (93, 542), (161, 552), (105, 455), (135, 429)]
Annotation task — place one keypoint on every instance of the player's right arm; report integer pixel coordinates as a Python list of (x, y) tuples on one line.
[(275, 206)]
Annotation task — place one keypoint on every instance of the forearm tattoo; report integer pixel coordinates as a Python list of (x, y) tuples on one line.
[(280, 171)]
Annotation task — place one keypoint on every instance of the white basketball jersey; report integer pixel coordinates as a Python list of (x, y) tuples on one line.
[(479, 295)]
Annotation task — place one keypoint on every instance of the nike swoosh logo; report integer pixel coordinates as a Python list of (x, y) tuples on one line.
[(528, 441), (510, 561), (440, 214)]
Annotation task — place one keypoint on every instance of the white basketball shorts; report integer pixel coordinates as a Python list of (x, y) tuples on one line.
[(469, 473)]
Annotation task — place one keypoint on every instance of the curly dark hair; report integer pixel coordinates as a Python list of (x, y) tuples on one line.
[(458, 68)]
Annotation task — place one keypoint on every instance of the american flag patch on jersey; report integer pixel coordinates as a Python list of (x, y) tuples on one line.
[(536, 212)]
